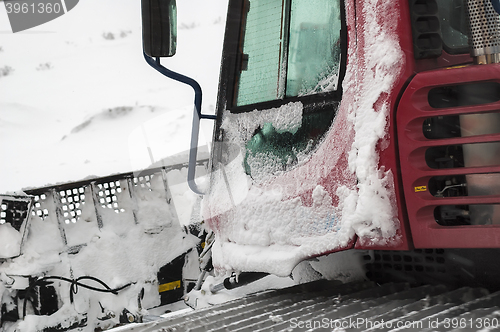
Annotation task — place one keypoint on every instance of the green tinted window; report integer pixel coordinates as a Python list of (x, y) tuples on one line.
[(314, 47), (259, 82), (290, 48)]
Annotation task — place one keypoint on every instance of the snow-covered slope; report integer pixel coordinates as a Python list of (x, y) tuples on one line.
[(78, 99)]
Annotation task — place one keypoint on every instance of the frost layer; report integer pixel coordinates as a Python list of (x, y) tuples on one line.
[(242, 126)]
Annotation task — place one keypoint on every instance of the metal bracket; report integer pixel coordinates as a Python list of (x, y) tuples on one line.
[(197, 116)]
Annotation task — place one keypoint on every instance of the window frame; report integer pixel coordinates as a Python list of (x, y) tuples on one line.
[(232, 59)]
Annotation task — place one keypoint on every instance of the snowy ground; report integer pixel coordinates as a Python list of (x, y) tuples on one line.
[(78, 99)]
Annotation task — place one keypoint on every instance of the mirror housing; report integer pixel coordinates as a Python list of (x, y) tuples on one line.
[(159, 27)]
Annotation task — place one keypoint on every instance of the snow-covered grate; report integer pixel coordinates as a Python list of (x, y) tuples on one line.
[(108, 195), (39, 208), (71, 201), (71, 197), (143, 181), (14, 210), (92, 200), (14, 219), (3, 213)]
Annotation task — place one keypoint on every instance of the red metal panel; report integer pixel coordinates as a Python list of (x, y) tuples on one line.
[(413, 109), (388, 153)]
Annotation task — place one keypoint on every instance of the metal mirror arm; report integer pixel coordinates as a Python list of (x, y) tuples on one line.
[(193, 151)]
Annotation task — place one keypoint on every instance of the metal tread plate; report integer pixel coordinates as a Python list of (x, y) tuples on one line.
[(328, 305)]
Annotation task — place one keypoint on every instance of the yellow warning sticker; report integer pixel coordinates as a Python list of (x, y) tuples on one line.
[(169, 286), (421, 188)]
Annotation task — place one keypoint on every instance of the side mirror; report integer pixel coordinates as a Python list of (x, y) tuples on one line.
[(159, 27)]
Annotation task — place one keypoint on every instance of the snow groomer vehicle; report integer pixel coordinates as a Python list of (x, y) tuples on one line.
[(348, 133), (364, 125)]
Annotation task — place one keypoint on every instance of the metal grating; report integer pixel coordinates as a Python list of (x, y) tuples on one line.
[(14, 210), (485, 27), (331, 306), (143, 181), (3, 213), (108, 195), (39, 208), (65, 204), (71, 201), (383, 266)]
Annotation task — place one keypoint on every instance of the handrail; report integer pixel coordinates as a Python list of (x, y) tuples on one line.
[(155, 63)]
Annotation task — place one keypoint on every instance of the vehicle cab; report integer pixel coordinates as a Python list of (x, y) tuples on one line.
[(348, 124)]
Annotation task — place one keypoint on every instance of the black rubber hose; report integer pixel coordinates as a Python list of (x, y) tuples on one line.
[(73, 289), (74, 283)]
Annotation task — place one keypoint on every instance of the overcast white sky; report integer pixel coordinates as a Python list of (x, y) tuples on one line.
[(75, 102)]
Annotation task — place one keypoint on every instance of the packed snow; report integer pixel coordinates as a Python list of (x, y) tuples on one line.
[(10, 241), (373, 76)]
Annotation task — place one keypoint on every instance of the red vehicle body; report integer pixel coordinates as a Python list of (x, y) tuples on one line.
[(416, 98)]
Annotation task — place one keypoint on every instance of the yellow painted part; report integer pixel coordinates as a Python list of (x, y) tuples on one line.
[(455, 67), (421, 188), (169, 286)]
